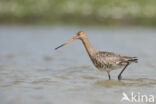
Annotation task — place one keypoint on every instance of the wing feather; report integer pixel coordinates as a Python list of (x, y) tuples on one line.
[(112, 58)]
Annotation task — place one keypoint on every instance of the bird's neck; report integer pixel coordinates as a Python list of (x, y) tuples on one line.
[(90, 50)]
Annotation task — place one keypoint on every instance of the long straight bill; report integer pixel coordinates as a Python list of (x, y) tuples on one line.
[(64, 43)]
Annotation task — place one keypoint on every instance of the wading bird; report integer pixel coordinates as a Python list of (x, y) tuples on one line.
[(104, 61)]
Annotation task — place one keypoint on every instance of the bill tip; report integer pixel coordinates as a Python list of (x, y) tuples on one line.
[(59, 46)]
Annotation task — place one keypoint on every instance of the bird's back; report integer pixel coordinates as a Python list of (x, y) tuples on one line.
[(109, 60)]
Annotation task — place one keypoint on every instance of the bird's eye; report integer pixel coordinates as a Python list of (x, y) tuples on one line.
[(79, 32)]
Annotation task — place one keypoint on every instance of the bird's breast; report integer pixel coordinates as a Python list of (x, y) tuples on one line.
[(99, 63), (102, 65)]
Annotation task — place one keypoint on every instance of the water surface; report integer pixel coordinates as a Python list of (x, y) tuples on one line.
[(32, 72)]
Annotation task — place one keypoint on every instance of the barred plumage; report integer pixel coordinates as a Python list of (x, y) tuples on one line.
[(110, 61)]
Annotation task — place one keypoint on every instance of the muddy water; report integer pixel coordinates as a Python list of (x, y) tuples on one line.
[(32, 72)]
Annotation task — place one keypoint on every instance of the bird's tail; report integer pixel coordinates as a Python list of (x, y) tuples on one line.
[(133, 59), (130, 59)]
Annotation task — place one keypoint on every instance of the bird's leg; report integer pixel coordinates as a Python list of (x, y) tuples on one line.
[(119, 76), (109, 75)]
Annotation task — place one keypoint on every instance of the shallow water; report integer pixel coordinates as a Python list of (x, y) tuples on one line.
[(32, 72)]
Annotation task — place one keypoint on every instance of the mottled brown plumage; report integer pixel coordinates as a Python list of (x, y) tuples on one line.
[(104, 61)]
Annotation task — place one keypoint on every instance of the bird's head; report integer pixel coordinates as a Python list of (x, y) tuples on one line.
[(79, 35)]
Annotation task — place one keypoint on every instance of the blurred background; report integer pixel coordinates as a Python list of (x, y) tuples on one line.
[(80, 12), (32, 72)]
